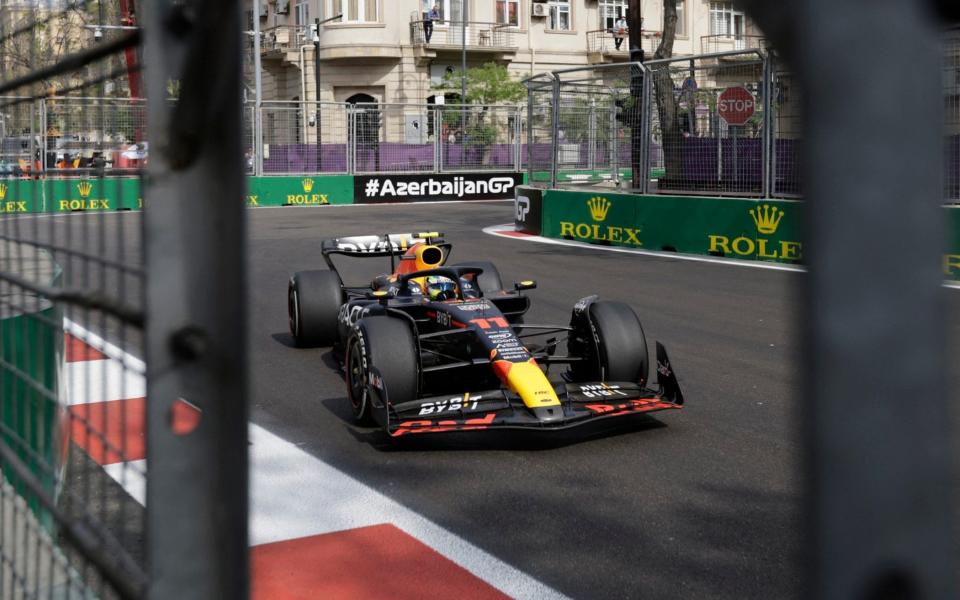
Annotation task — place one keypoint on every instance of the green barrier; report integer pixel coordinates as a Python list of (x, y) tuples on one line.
[(736, 228), (763, 229), (94, 194), (31, 358), (300, 191), (20, 196)]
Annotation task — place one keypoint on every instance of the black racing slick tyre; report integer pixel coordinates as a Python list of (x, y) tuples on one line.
[(620, 352), (313, 303), (386, 343), (489, 280)]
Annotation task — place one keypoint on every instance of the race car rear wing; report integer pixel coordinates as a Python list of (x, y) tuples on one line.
[(388, 244)]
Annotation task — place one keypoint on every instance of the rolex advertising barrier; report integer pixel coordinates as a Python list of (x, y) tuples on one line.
[(750, 229), (102, 194)]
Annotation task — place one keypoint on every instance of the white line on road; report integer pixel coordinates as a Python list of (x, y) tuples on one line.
[(293, 494)]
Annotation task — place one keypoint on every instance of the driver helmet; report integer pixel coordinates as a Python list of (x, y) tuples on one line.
[(441, 288)]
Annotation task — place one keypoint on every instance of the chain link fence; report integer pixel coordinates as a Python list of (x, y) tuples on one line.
[(76, 400), (708, 115), (71, 404), (951, 91), (94, 133)]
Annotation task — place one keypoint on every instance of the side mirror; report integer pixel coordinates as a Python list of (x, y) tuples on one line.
[(529, 284)]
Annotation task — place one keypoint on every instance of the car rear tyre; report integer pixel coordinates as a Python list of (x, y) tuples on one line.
[(620, 353), (489, 280), (313, 303), (386, 343)]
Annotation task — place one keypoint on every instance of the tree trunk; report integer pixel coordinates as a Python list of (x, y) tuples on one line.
[(635, 29), (666, 100)]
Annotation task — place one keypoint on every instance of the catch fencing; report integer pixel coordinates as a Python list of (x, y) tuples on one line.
[(726, 123), (951, 90), (88, 292), (703, 124), (305, 138)]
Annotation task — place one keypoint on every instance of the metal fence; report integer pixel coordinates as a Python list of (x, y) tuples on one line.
[(472, 34), (716, 124), (87, 291), (951, 91), (703, 124), (307, 138)]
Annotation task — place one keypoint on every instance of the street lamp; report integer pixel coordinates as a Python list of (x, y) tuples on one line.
[(316, 71)]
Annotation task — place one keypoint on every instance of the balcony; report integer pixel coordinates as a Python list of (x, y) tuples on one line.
[(451, 35), (602, 45), (710, 44), (284, 38)]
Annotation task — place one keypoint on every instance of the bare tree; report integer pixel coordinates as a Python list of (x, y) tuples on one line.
[(667, 109), (663, 90)]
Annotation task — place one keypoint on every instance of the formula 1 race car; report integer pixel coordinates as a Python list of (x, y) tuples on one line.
[(429, 347)]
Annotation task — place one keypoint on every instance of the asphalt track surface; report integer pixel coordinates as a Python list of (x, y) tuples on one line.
[(699, 503)]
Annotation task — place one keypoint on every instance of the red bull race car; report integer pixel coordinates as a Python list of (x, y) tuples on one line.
[(432, 347)]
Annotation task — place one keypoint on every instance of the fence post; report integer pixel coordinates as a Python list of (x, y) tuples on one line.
[(44, 128), (768, 172), (646, 108), (437, 140), (518, 132), (555, 131), (258, 140), (614, 145), (195, 342), (351, 139), (530, 136)]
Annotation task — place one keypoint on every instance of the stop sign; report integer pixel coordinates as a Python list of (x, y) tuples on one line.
[(736, 105)]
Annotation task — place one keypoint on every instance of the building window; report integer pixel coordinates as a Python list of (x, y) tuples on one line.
[(725, 20), (681, 18), (610, 11), (508, 12), (302, 13), (560, 15), (451, 11), (357, 11)]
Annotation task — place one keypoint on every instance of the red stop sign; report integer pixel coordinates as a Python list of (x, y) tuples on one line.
[(736, 105)]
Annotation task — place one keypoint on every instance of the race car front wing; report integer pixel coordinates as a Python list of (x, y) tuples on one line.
[(580, 403)]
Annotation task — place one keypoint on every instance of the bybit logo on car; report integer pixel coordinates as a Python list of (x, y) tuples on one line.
[(767, 219), (599, 208)]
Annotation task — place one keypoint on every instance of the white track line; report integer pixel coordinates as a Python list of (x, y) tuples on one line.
[(498, 230), (293, 494)]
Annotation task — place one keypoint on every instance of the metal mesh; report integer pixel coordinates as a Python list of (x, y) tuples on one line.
[(97, 133), (951, 91), (537, 150), (594, 123), (19, 136), (70, 278), (702, 150), (290, 131), (787, 131), (391, 138), (476, 138)]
